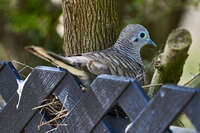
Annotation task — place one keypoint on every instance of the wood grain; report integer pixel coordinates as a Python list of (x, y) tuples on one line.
[(94, 104), (38, 86), (193, 109), (8, 83), (161, 110)]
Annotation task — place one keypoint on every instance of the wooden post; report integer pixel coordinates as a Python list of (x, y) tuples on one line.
[(169, 64)]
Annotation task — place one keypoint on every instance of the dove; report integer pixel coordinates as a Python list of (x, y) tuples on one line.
[(122, 59)]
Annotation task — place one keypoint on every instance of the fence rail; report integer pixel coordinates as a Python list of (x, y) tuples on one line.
[(87, 111)]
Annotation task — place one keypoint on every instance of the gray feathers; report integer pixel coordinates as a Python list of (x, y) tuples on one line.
[(123, 59)]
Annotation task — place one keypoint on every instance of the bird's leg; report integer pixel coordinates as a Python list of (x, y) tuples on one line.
[(83, 88)]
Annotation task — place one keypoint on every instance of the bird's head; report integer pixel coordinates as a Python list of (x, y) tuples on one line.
[(136, 35)]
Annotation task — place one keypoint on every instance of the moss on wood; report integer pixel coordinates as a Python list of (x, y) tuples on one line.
[(169, 64)]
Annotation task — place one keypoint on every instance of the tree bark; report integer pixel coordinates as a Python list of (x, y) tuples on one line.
[(89, 25), (169, 64)]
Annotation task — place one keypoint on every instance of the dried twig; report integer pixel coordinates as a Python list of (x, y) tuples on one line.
[(53, 107), (51, 130), (52, 120), (60, 112), (41, 120), (22, 64), (151, 85), (193, 78), (44, 105), (63, 105)]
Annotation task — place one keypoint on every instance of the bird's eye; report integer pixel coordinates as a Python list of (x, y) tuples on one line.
[(136, 40), (142, 35)]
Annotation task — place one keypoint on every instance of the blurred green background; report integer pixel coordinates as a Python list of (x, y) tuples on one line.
[(39, 22)]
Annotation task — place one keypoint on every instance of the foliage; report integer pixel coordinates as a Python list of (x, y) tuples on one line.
[(35, 20), (151, 10)]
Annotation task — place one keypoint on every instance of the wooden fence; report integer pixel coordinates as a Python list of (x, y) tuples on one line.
[(87, 112)]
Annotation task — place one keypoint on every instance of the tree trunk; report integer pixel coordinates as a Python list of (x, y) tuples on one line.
[(89, 25)]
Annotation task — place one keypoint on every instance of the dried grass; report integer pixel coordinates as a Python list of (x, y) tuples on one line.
[(54, 111)]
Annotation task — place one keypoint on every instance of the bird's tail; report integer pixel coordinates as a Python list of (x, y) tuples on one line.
[(56, 60)]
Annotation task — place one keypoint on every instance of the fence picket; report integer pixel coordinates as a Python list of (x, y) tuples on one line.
[(87, 110), (8, 83), (37, 87), (94, 104), (161, 110), (193, 109)]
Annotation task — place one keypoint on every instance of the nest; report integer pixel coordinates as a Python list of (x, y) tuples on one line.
[(53, 112)]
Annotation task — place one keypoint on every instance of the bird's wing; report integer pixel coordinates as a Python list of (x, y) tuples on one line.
[(78, 65), (46, 55), (87, 62), (97, 67), (88, 65)]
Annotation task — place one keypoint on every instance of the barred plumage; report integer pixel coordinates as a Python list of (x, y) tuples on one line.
[(117, 64), (123, 59)]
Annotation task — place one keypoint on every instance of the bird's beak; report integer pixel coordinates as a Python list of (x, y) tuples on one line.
[(149, 41)]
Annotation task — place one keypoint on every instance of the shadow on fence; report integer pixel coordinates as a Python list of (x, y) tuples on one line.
[(87, 112)]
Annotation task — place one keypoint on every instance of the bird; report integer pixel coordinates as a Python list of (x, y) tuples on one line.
[(122, 59)]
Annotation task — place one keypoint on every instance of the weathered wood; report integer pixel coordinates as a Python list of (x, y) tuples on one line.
[(193, 110), (90, 107), (169, 64), (115, 124), (11, 67), (133, 100), (69, 91), (161, 110), (11, 76), (110, 124), (32, 126), (8, 83), (101, 128), (95, 103), (38, 86), (68, 88)]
